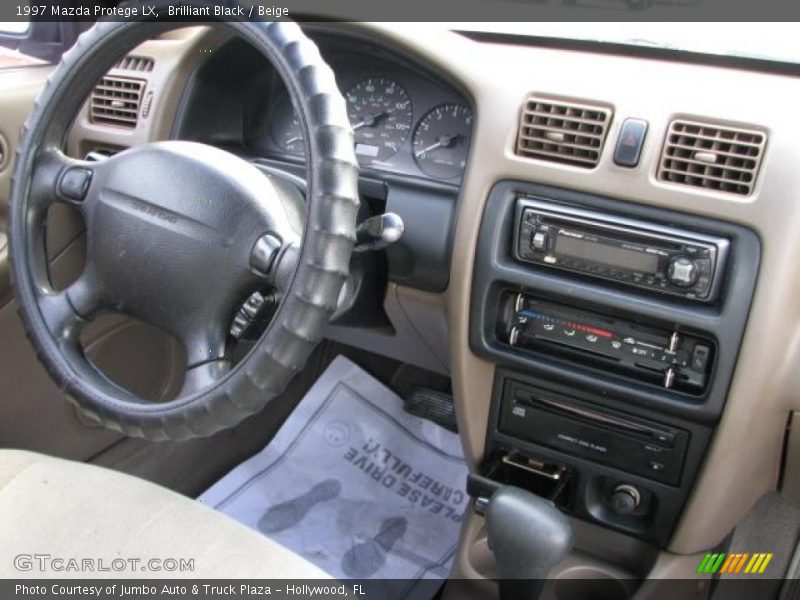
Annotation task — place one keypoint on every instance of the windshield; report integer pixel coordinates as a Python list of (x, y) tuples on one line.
[(767, 41)]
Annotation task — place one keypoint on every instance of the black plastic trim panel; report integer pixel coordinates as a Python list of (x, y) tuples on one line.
[(724, 321), (584, 500), (420, 259)]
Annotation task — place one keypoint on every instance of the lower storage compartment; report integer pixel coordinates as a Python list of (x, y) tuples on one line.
[(546, 479), (596, 458)]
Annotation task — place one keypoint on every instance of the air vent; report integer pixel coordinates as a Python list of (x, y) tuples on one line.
[(725, 159), (563, 131), (116, 101), (133, 62)]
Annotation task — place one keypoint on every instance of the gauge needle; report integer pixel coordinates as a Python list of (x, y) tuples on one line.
[(370, 120), (444, 141), (294, 139)]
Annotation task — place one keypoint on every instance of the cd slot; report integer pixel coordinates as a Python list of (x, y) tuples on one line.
[(594, 417), (596, 433)]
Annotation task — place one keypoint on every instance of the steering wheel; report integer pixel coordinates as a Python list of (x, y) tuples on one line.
[(179, 234)]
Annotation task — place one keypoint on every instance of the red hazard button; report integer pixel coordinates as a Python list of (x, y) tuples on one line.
[(630, 142)]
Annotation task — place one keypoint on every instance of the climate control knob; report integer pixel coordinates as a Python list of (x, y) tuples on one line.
[(682, 271)]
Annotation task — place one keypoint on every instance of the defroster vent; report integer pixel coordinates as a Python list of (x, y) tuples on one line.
[(134, 62)]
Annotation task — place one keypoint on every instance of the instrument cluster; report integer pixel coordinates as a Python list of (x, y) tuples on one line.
[(404, 121)]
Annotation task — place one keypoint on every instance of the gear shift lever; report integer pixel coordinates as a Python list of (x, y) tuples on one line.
[(528, 536)]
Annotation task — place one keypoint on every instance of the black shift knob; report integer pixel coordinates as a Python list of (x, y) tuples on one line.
[(528, 536)]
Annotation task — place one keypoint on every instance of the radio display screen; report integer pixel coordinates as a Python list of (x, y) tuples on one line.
[(609, 255)]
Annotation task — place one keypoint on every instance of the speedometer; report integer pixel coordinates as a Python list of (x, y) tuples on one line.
[(441, 140), (381, 116)]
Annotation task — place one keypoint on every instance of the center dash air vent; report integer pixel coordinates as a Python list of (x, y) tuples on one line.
[(116, 101), (563, 131), (725, 159), (134, 62)]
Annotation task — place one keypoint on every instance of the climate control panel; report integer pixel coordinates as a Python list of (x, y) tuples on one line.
[(672, 359)]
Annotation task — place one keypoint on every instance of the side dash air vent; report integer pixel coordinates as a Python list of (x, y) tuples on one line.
[(563, 131), (724, 159), (116, 101), (134, 62)]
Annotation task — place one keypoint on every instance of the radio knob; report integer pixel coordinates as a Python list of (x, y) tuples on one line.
[(625, 499), (682, 271)]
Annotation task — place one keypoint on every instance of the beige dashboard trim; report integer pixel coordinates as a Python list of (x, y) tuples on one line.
[(744, 459), (176, 55), (19, 89)]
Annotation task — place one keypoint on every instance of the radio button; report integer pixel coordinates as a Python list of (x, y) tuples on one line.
[(665, 437), (539, 240)]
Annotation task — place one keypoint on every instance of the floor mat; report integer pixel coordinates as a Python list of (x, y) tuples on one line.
[(354, 484)]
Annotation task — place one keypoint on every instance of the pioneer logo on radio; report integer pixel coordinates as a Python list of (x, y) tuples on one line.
[(572, 234)]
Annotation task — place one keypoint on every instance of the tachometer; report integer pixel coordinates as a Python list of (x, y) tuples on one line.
[(441, 140), (381, 115)]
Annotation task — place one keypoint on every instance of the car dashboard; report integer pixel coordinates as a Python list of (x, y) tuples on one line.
[(599, 250)]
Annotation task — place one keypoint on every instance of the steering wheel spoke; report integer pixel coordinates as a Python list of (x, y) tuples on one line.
[(59, 178), (205, 347), (67, 311), (203, 376)]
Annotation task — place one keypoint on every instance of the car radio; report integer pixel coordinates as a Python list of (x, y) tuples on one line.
[(630, 252)]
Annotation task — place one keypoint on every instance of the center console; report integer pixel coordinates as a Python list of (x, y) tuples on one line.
[(615, 328)]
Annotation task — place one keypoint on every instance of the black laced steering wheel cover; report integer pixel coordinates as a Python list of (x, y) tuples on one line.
[(313, 289)]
